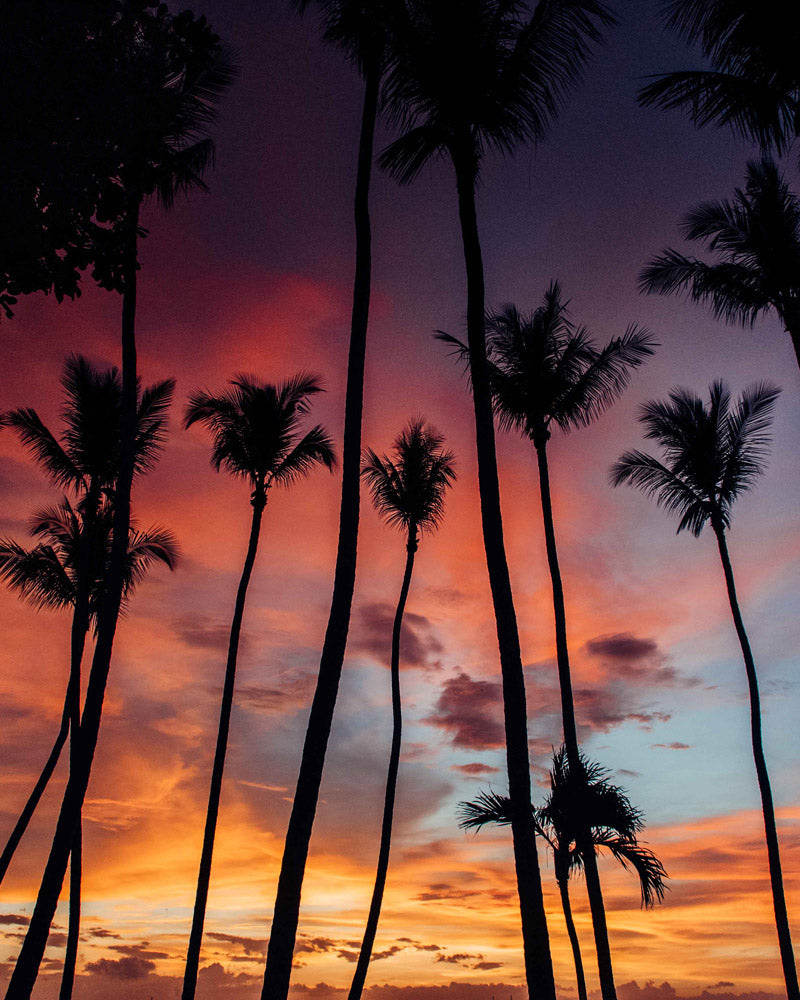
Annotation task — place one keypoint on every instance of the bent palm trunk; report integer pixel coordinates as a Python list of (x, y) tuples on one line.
[(30, 957), (563, 888), (204, 876), (391, 785), (593, 888), (74, 927), (536, 942), (770, 828), (298, 836)]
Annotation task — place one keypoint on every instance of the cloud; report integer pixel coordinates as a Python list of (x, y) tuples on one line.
[(444, 890), (486, 966), (471, 711), (196, 630), (17, 919), (101, 932), (636, 660), (125, 969), (475, 768), (250, 946), (671, 746), (372, 633), (292, 690), (622, 646)]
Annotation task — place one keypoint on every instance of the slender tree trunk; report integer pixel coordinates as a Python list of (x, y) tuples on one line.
[(30, 957), (770, 829), (584, 838), (563, 888), (298, 836), (790, 314), (391, 784), (204, 876), (538, 963), (74, 927)]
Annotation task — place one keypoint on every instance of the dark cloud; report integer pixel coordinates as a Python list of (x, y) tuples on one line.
[(486, 966), (372, 633), (444, 890), (672, 746), (199, 632), (622, 646), (471, 711), (636, 660), (101, 932), (475, 768), (250, 946), (130, 967), (314, 945), (292, 689), (18, 919), (460, 958), (722, 983), (142, 950)]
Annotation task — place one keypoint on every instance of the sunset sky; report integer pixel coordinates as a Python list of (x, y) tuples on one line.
[(256, 277)]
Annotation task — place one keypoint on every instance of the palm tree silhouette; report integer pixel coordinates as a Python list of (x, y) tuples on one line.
[(85, 461), (756, 239), (473, 75), (545, 372), (580, 800), (361, 30), (256, 432), (712, 454), (753, 84), (408, 492), (169, 70)]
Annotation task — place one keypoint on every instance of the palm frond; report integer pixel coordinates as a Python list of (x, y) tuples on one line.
[(36, 574), (487, 807), (45, 448), (650, 870)]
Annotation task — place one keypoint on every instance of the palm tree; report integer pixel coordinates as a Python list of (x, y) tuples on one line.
[(256, 431), (579, 800), (473, 75), (712, 454), (755, 238), (753, 84), (168, 72), (545, 372), (408, 492), (361, 29)]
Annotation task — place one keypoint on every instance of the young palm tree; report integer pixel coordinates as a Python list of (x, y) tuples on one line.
[(167, 72), (755, 238), (408, 492), (361, 29), (256, 431), (753, 84), (545, 372), (473, 75), (712, 454), (580, 800)]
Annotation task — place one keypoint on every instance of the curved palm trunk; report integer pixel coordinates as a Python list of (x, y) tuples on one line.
[(536, 942), (585, 846), (790, 314), (770, 829), (391, 785), (298, 835), (74, 927), (30, 956), (563, 888), (204, 876)]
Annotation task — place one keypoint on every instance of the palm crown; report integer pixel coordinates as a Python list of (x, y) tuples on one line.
[(755, 237), (544, 369), (485, 72), (712, 453), (256, 430), (408, 491)]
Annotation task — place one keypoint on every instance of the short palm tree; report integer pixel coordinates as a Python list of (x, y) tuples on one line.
[(361, 30), (580, 800), (713, 453), (408, 492), (472, 76), (167, 71), (755, 238), (257, 437), (753, 84)]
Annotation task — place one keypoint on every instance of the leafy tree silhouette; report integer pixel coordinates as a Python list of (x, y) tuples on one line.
[(408, 492), (472, 76), (256, 432), (712, 454)]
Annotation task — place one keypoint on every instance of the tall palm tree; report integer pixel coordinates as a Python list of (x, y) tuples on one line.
[(545, 372), (256, 432), (580, 800), (712, 454), (755, 238), (473, 75), (408, 492), (360, 28), (753, 85), (166, 72)]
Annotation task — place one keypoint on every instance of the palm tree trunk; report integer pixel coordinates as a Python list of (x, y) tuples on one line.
[(30, 956), (536, 943), (298, 836), (74, 926), (790, 314), (584, 837), (770, 829), (204, 876), (391, 785), (563, 888)]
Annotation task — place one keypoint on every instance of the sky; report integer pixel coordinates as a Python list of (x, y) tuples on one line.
[(256, 277)]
